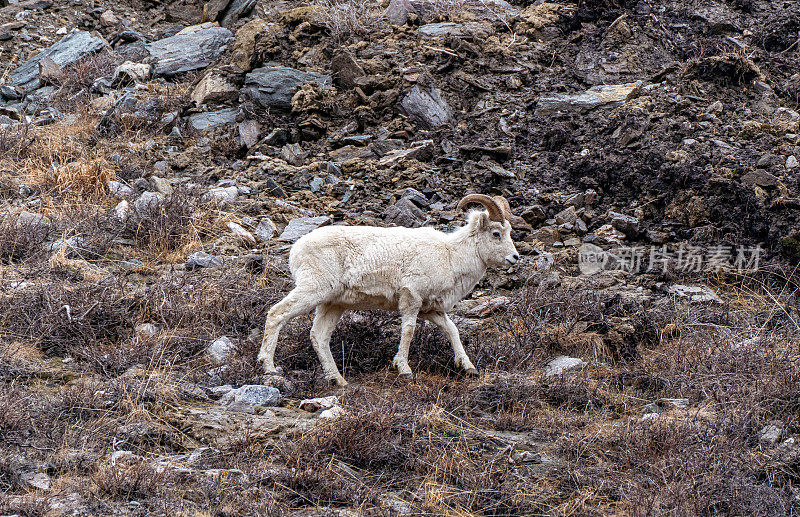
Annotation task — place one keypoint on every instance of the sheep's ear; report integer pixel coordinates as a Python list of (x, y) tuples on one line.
[(483, 221)]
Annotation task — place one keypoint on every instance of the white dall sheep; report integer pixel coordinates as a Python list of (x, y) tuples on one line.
[(416, 271)]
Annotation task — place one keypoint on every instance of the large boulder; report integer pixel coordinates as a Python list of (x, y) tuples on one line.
[(70, 49), (192, 48), (273, 86)]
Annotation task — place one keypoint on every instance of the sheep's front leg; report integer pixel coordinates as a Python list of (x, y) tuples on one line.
[(409, 308), (443, 321), (325, 321)]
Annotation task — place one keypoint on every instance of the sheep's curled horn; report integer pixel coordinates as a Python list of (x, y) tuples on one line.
[(495, 211)]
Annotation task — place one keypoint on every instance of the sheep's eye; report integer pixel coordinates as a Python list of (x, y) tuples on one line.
[(496, 234)]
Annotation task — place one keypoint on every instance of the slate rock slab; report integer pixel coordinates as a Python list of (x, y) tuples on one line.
[(426, 106), (301, 226), (273, 86), (71, 48), (192, 48), (595, 97)]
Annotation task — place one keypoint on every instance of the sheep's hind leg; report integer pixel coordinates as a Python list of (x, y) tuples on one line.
[(443, 321), (325, 321), (294, 304), (409, 308)]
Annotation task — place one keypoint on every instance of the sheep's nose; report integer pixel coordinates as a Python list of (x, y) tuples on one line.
[(513, 258)]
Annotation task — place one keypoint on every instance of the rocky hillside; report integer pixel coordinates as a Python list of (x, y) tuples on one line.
[(157, 160)]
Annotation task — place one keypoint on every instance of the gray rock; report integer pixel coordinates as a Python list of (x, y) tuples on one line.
[(562, 364), (414, 195), (568, 216), (214, 87), (239, 231), (302, 225), (791, 162), (426, 106), (475, 30), (220, 349), (761, 178), (119, 189), (770, 434), (273, 86), (249, 131), (71, 48), (147, 201), (594, 97), (161, 185), (345, 69), (192, 48), (627, 224), (673, 403), (36, 480), (221, 194), (405, 213), (421, 151), (202, 259), (207, 121), (250, 396), (203, 456), (694, 293), (145, 330), (265, 230)]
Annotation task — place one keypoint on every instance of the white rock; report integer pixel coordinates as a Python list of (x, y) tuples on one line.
[(313, 405), (122, 210), (250, 396), (221, 194), (770, 434), (265, 230), (161, 185), (38, 480), (334, 412), (220, 349), (240, 232), (132, 72), (694, 293), (119, 189), (562, 364), (791, 162), (148, 201)]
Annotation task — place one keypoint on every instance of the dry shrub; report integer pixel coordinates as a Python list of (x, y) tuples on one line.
[(75, 83), (684, 468), (130, 479), (400, 442), (349, 19), (165, 226), (21, 240), (86, 179)]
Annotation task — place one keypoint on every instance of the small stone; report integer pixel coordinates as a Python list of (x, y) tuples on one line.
[(202, 259), (122, 210), (148, 201), (108, 18), (191, 48), (252, 395), (594, 97), (334, 412), (203, 456), (221, 194), (240, 232), (562, 364), (694, 293), (522, 457), (770, 434), (673, 403), (130, 72), (567, 216), (488, 306), (161, 185), (200, 122), (302, 225), (791, 162), (293, 154), (427, 107), (315, 404), (760, 178), (119, 189), (265, 230), (405, 213), (220, 349), (145, 330), (36, 480), (627, 224)]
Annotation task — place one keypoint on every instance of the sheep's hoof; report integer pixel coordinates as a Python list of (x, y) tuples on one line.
[(471, 372)]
